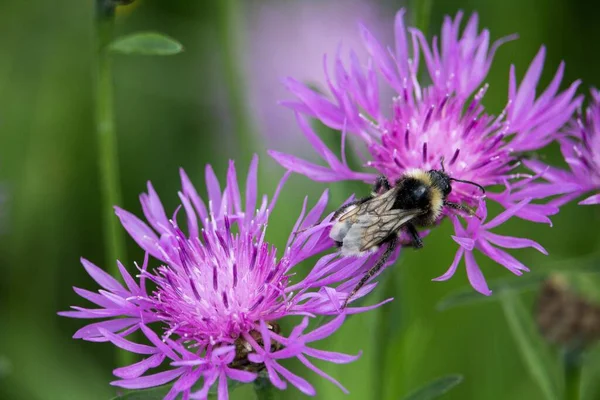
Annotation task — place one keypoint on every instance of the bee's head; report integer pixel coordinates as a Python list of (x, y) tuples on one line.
[(441, 180)]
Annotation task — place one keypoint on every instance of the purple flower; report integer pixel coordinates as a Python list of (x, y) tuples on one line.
[(581, 150), (442, 122), (220, 293)]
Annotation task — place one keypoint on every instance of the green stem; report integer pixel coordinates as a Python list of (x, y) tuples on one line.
[(263, 389), (230, 28), (106, 136), (422, 13), (572, 381), (108, 163)]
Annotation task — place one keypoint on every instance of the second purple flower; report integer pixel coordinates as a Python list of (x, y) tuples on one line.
[(442, 125)]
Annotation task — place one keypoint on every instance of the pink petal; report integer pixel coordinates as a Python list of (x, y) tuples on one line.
[(113, 325), (233, 190), (504, 259), (135, 370), (301, 383), (209, 378), (242, 376), (140, 232), (475, 276), (223, 390), (188, 379), (126, 344), (149, 380), (129, 281), (507, 214), (154, 210), (466, 243), (325, 330), (327, 112), (509, 242), (595, 199), (402, 55), (312, 171), (102, 278), (322, 374), (190, 191), (318, 145), (251, 186), (274, 377), (331, 356), (380, 56), (526, 91), (214, 188), (450, 272), (357, 310), (280, 185), (94, 298), (192, 221), (156, 341)]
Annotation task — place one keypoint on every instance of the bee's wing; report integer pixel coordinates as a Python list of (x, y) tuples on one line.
[(376, 205), (371, 229)]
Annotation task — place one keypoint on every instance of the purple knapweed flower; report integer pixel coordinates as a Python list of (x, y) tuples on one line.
[(439, 125), (581, 150), (219, 296)]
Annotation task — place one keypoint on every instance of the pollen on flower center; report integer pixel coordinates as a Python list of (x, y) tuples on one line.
[(216, 288), (437, 130)]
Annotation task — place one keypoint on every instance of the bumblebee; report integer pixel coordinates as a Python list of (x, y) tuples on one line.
[(418, 198)]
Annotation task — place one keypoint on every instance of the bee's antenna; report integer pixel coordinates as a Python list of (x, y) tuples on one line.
[(442, 163), (470, 183)]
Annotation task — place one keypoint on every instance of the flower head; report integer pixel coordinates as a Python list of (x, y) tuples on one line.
[(581, 150), (220, 293), (442, 125)]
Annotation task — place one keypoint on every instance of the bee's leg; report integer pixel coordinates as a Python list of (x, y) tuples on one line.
[(380, 263), (460, 207), (381, 183), (343, 208), (417, 242)]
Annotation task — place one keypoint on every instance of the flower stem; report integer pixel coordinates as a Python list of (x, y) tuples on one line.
[(263, 388), (572, 381), (106, 135), (108, 162), (422, 13), (230, 28)]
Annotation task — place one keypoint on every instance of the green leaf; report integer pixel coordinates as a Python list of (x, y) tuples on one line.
[(146, 43), (535, 352), (435, 388)]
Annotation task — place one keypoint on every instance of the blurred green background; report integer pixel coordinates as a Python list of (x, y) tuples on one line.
[(184, 111)]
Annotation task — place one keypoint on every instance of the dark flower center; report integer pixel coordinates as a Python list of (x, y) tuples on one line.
[(243, 349)]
